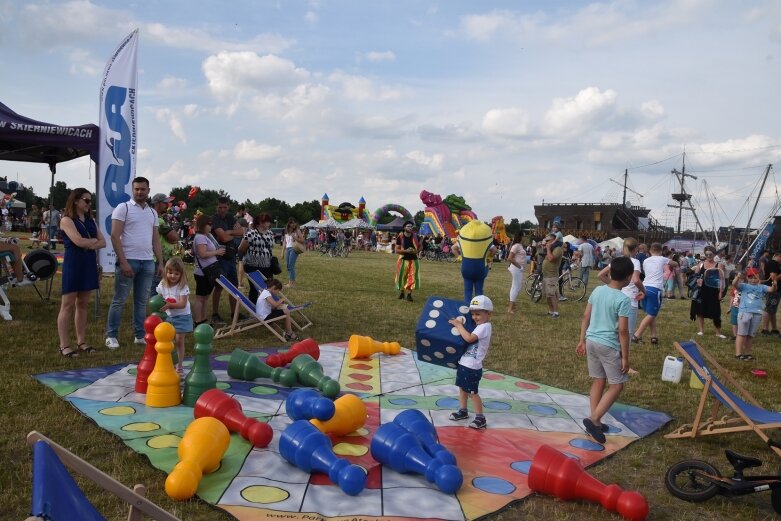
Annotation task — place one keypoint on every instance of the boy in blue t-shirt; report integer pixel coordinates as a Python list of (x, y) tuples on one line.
[(750, 310), (604, 338)]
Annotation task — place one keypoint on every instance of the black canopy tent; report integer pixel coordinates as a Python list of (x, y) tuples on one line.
[(25, 139)]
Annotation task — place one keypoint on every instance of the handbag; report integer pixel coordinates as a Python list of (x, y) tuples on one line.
[(212, 271), (276, 269), (299, 247)]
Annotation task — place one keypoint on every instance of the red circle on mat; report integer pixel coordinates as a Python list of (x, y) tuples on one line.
[(493, 376), (360, 376), (526, 385), (359, 387), (361, 367)]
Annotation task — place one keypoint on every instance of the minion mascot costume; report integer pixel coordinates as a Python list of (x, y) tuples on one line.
[(475, 242), (407, 275)]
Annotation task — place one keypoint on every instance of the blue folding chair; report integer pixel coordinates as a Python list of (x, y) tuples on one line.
[(256, 278), (57, 497)]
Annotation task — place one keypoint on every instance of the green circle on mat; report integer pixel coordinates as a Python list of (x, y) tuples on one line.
[(263, 389)]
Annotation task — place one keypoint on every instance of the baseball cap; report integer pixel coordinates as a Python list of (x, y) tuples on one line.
[(481, 302), (159, 198), (752, 272)]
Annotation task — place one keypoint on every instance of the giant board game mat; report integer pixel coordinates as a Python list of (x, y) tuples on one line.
[(260, 484)]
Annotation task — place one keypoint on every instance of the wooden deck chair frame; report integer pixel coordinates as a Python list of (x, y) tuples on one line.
[(238, 326), (257, 279), (726, 424), (139, 505)]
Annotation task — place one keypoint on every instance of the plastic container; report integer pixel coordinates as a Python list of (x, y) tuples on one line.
[(694, 381), (672, 369)]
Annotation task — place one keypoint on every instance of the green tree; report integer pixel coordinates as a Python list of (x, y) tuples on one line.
[(418, 218), (513, 228)]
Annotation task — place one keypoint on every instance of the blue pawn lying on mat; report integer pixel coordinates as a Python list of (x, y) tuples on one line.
[(437, 341)]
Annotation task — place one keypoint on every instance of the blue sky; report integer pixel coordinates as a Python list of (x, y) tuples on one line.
[(505, 103)]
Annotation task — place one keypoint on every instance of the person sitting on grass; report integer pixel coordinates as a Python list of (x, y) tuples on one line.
[(749, 310), (470, 365), (268, 307), (604, 339)]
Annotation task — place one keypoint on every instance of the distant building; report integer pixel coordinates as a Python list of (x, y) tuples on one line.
[(602, 221)]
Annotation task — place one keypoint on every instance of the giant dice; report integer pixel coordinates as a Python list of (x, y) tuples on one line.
[(436, 340)]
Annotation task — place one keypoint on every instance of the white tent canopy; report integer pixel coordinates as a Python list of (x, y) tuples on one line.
[(356, 223), (616, 243), (310, 224), (570, 239)]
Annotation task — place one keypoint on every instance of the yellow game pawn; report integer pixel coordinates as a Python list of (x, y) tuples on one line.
[(163, 382), (365, 346), (202, 447), (350, 416)]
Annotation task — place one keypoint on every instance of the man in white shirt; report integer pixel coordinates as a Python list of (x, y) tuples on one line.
[(136, 244)]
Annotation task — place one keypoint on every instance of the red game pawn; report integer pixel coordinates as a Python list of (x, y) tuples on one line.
[(216, 404), (557, 475), (307, 346), (147, 362)]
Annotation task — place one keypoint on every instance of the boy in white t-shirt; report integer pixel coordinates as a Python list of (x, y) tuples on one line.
[(470, 366), (268, 307), (653, 267)]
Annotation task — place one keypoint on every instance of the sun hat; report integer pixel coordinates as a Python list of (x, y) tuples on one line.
[(159, 198), (481, 302)]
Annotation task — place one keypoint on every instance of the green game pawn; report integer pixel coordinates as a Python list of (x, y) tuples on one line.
[(310, 373), (244, 366), (201, 377), (155, 303)]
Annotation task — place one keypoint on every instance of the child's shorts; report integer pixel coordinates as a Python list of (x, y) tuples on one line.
[(181, 323), (274, 314), (468, 379), (748, 323), (652, 302), (604, 362), (733, 315)]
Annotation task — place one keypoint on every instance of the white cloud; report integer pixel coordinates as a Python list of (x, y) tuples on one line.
[(360, 88), (510, 122), (83, 63), (200, 40), (249, 150), (231, 73), (311, 17), (380, 56), (172, 83), (652, 110), (170, 117), (574, 115), (433, 162)]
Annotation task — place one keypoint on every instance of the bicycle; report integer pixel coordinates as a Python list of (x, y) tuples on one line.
[(696, 480), (573, 288)]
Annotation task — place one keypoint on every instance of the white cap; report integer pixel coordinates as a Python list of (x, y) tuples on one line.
[(481, 302)]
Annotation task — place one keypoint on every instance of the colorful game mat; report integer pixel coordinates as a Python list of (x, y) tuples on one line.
[(259, 484)]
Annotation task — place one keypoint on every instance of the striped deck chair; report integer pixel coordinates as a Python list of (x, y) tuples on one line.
[(749, 415), (237, 326), (297, 316)]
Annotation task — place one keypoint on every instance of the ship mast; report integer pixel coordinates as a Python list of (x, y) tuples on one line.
[(683, 197)]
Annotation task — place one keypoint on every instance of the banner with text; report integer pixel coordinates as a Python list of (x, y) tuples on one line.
[(761, 241), (118, 120)]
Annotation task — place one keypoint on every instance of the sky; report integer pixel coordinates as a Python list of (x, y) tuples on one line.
[(508, 104)]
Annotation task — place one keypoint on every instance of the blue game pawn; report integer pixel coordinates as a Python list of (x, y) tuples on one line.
[(305, 404), (395, 447), (302, 445), (416, 423)]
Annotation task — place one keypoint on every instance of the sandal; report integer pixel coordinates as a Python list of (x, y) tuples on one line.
[(67, 352), (654, 340), (636, 340), (86, 348)]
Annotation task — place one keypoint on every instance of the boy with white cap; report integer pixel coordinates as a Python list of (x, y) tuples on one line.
[(470, 366)]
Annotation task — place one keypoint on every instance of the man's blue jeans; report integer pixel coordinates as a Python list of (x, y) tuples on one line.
[(140, 282)]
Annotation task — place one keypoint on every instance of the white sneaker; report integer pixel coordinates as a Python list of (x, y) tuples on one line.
[(18, 283), (139, 341), (700, 333), (112, 342), (721, 336), (562, 298)]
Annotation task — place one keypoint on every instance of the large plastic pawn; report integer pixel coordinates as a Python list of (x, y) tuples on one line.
[(363, 347), (147, 363), (201, 377), (155, 304), (310, 373), (305, 404), (202, 447), (416, 423), (350, 416), (401, 451), (244, 366), (217, 404), (163, 383), (307, 346), (302, 445)]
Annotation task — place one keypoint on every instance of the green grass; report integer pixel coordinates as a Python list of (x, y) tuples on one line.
[(356, 295)]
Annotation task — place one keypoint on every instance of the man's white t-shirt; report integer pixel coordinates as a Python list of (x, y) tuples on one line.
[(140, 223), (653, 267), (475, 353)]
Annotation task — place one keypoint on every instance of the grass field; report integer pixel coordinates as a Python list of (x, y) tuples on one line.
[(356, 295)]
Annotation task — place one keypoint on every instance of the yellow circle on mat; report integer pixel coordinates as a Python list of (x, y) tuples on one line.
[(141, 427), (360, 431), (350, 449), (164, 441), (264, 495), (119, 410)]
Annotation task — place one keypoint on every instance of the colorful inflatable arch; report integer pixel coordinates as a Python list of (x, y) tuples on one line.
[(384, 210), (444, 217)]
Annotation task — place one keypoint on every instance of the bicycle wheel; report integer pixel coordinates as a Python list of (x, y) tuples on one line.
[(449, 257), (574, 289), (536, 293), (529, 285), (688, 480)]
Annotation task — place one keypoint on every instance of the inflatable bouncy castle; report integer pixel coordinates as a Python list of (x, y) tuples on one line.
[(444, 217), (344, 212)]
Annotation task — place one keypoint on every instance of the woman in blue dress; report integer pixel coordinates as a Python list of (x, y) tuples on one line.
[(82, 238)]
